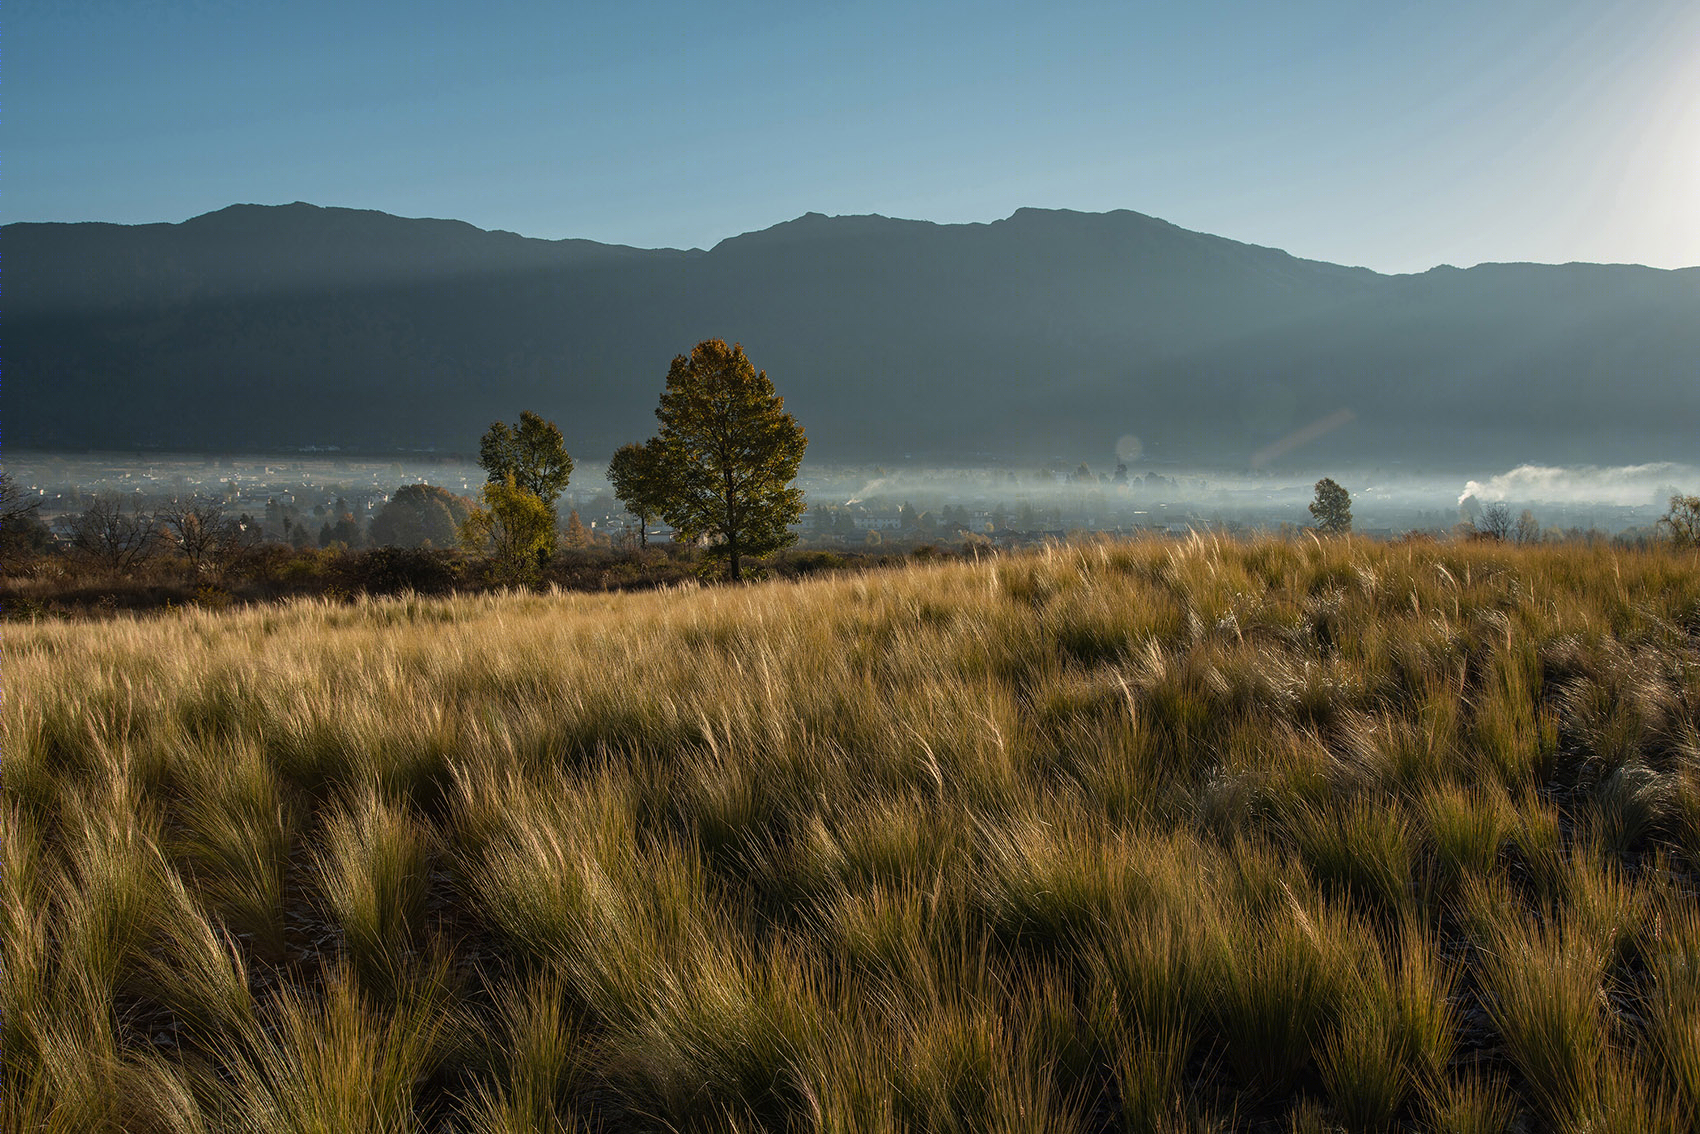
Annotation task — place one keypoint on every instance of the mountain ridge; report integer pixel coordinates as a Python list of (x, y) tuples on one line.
[(253, 208), (1048, 330)]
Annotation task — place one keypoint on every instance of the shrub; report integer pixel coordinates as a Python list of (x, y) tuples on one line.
[(393, 570)]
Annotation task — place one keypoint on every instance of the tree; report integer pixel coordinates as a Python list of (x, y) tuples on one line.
[(344, 532), (640, 483), (1682, 521), (13, 503), (516, 528), (730, 453), (201, 531), (1332, 507), (576, 535), (1528, 529), (531, 452), (115, 539), (1494, 522), (21, 531), (420, 515)]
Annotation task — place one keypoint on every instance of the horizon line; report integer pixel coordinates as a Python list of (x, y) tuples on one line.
[(860, 216)]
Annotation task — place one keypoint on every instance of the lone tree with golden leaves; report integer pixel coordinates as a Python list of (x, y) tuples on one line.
[(729, 453)]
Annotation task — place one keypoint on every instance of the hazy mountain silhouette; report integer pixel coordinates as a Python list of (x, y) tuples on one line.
[(1051, 332)]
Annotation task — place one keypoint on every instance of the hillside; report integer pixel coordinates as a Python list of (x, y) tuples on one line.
[(1149, 836), (1047, 333)]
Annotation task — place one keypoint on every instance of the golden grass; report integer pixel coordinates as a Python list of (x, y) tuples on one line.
[(1151, 835)]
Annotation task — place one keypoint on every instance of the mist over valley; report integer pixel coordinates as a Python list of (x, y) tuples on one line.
[(908, 505)]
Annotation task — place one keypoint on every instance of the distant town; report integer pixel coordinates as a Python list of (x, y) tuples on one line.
[(320, 499)]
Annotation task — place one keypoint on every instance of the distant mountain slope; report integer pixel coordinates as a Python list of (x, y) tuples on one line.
[(1051, 332)]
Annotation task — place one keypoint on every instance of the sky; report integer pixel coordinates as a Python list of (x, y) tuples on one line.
[(1394, 135)]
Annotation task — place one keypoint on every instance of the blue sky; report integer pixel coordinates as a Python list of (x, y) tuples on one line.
[(1393, 135)]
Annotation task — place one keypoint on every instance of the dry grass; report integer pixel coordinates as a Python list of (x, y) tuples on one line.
[(1149, 836)]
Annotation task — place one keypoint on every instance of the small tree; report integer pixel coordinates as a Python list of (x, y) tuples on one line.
[(1332, 507), (639, 479), (1494, 522), (575, 535), (342, 532), (515, 528), (21, 531), (531, 452), (730, 453), (201, 531), (113, 538), (1682, 521), (1528, 529)]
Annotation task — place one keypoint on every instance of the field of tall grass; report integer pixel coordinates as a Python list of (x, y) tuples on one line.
[(1149, 836)]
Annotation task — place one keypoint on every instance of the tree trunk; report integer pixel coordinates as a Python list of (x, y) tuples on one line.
[(727, 502)]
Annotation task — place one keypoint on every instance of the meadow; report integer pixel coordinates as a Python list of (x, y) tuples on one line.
[(1158, 835)]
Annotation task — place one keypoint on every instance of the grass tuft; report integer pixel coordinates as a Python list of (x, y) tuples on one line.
[(373, 872)]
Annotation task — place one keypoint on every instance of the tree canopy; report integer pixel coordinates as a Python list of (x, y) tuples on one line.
[(21, 529), (1682, 521), (420, 515), (729, 453), (532, 452), (515, 527), (199, 530), (1494, 522), (638, 474), (1332, 507)]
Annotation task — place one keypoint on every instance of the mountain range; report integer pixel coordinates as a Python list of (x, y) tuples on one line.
[(1048, 334)]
